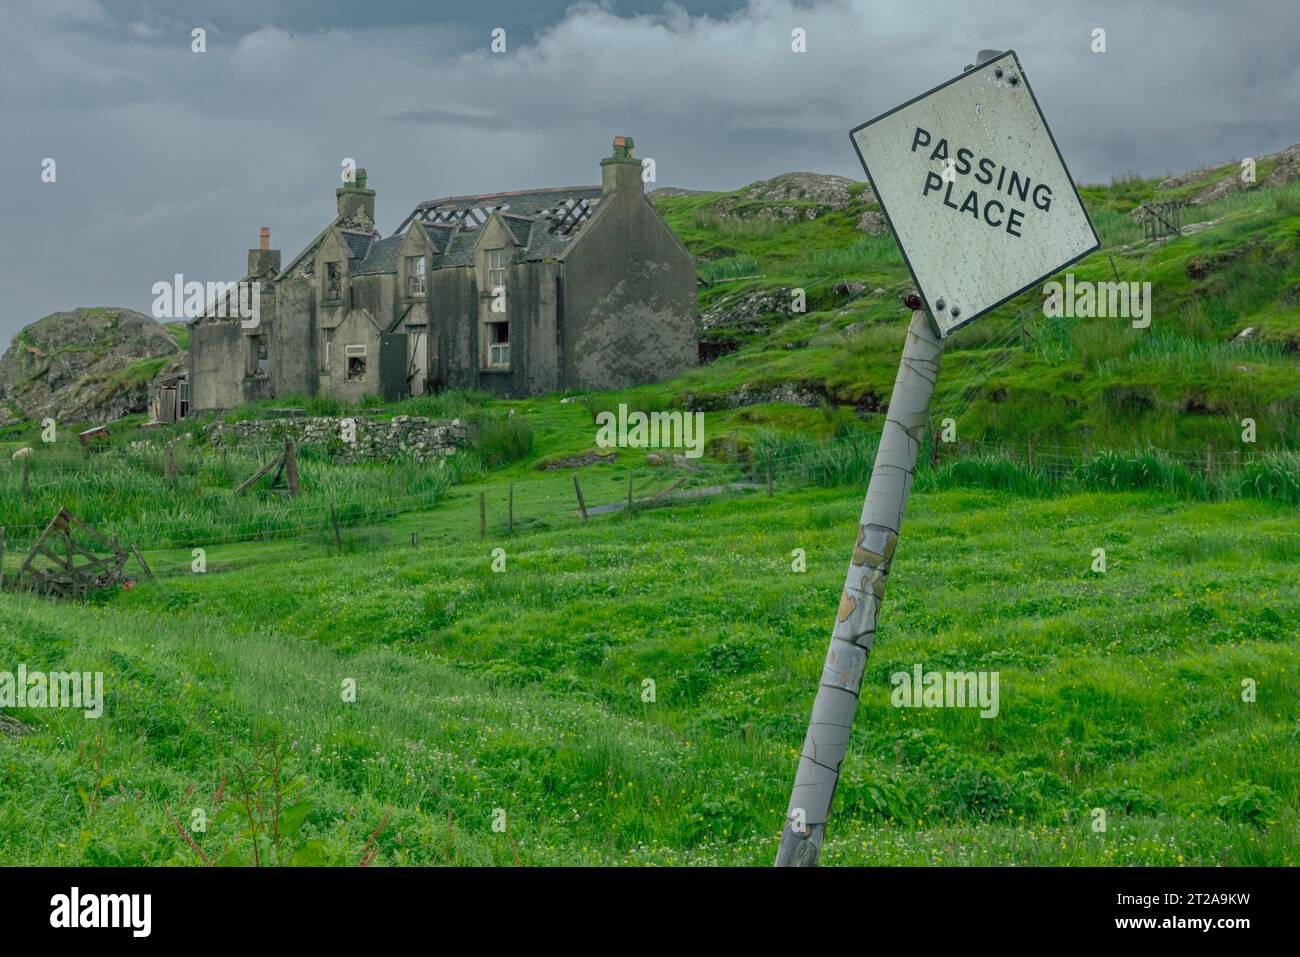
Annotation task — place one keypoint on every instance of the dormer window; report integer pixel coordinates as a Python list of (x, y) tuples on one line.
[(415, 276), (496, 269), (333, 280)]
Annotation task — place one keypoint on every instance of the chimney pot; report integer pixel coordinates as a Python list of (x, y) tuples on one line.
[(622, 170), (266, 237)]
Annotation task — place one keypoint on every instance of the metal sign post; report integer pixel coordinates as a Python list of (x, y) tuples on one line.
[(976, 192)]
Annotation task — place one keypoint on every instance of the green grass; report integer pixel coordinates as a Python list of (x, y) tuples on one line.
[(131, 493), (522, 690)]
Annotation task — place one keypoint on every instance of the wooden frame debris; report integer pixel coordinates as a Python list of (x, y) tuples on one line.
[(79, 569)]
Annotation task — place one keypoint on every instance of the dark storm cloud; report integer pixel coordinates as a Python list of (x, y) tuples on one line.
[(169, 161)]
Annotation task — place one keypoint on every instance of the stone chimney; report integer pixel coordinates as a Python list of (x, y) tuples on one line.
[(356, 203), (263, 258), (622, 171)]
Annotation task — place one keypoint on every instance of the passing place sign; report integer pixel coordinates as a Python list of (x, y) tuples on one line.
[(976, 192)]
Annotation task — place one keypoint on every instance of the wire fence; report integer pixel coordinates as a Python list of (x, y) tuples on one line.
[(178, 476)]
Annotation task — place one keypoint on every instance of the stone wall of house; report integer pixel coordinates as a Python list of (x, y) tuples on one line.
[(408, 436)]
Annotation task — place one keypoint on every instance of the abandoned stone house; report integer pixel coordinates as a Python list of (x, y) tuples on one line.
[(513, 293)]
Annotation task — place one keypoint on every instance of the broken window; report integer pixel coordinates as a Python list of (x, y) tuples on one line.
[(496, 269), (333, 281), (498, 345), (258, 362), (415, 275), (356, 361)]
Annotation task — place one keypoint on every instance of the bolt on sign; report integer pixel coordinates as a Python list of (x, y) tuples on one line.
[(976, 192)]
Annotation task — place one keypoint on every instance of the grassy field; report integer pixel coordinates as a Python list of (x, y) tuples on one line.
[(421, 696), (522, 690)]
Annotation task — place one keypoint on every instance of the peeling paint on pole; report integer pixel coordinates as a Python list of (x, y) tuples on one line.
[(978, 129), (864, 589)]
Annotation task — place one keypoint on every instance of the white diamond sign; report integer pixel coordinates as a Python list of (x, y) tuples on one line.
[(976, 192)]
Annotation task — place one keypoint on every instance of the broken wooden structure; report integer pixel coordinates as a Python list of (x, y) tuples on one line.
[(285, 464), (67, 560), (96, 434), (1160, 220)]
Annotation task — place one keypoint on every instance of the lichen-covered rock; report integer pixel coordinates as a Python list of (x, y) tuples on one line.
[(1285, 169), (87, 365), (872, 222), (744, 313), (793, 196)]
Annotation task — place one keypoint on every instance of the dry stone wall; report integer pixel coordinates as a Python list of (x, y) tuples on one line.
[(402, 436)]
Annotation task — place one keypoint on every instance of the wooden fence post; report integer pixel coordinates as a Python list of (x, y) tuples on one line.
[(582, 506), (291, 465), (172, 471), (482, 516), (629, 490), (143, 564), (334, 519)]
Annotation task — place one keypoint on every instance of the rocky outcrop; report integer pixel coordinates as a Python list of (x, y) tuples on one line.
[(872, 222), (746, 313), (1285, 168), (668, 192), (402, 436), (87, 365), (793, 196)]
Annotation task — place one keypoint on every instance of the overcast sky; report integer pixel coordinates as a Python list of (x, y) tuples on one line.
[(169, 161)]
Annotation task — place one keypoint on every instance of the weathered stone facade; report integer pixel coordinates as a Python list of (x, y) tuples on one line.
[(412, 436), (513, 293)]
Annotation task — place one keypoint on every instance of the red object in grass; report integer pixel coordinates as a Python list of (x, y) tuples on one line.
[(128, 584)]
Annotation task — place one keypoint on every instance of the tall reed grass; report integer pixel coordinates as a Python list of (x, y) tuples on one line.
[(848, 460)]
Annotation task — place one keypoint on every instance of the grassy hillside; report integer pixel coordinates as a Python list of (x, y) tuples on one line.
[(1181, 383)]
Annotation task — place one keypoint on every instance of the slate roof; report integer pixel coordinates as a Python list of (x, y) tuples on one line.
[(358, 243), (519, 225), (440, 236), (381, 257)]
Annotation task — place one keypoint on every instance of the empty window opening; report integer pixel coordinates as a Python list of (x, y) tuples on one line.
[(258, 361), (356, 361), (499, 345)]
